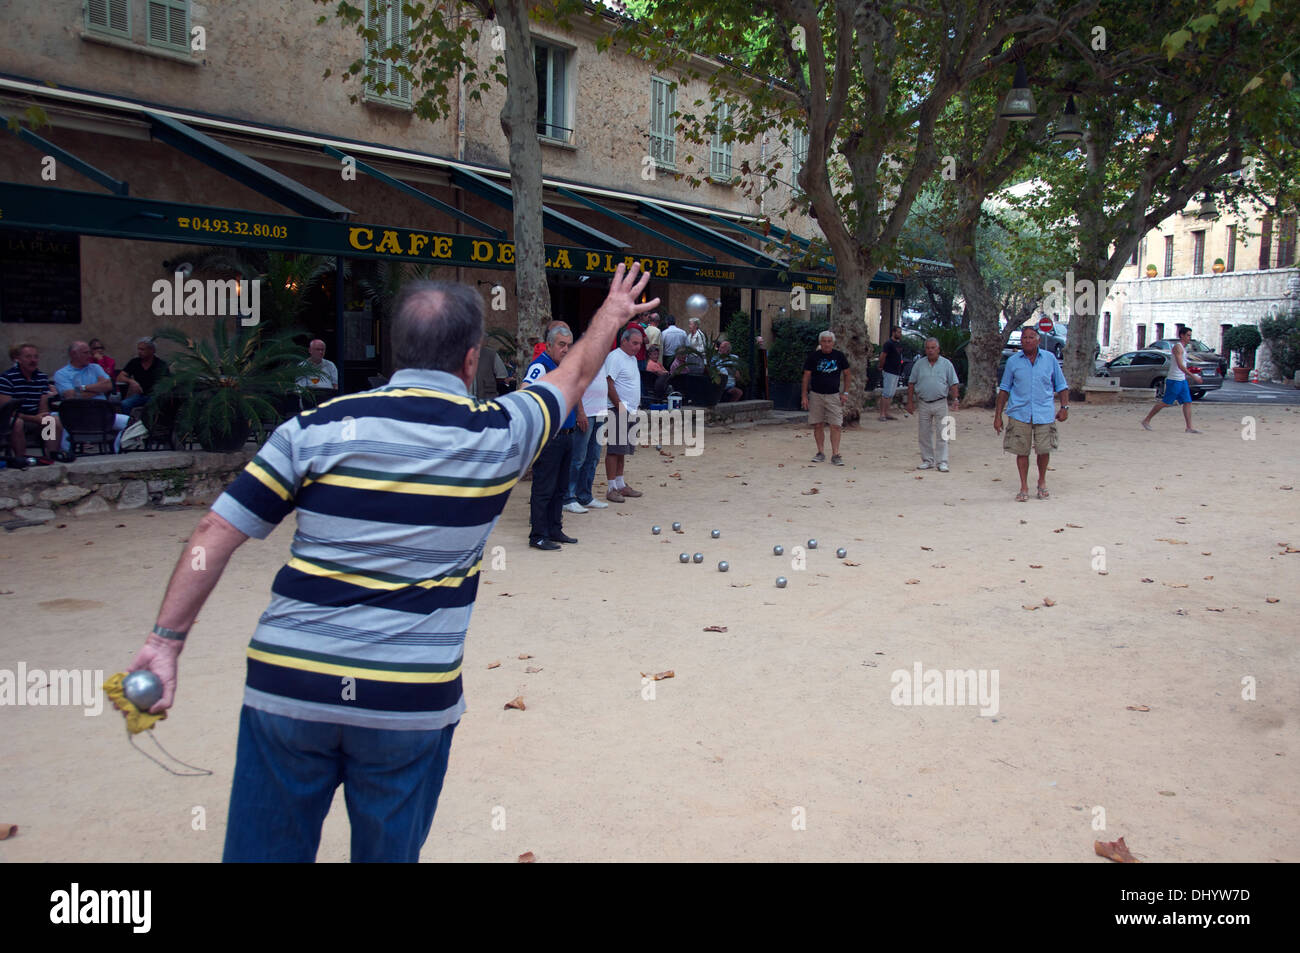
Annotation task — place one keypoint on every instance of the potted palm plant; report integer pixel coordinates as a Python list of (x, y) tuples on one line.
[(225, 388), (1242, 340)]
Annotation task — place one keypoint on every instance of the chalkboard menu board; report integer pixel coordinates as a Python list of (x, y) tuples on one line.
[(40, 277)]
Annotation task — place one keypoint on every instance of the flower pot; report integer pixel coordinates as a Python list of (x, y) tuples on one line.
[(1241, 374), (1151, 271), (228, 443), (1219, 267)]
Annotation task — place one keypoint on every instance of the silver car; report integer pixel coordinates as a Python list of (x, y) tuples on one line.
[(1149, 368)]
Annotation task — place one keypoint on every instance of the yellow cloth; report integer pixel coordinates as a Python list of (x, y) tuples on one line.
[(136, 720)]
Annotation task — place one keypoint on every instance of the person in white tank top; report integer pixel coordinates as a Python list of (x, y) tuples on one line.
[(1176, 389)]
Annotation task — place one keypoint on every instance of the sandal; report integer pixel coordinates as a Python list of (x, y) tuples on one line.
[(1022, 496), (1043, 494)]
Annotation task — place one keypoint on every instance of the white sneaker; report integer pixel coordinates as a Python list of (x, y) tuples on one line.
[(943, 468), (574, 507), (924, 466), (597, 505)]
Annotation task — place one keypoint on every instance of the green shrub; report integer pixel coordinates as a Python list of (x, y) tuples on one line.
[(1242, 340), (1283, 336), (792, 341), (741, 337)]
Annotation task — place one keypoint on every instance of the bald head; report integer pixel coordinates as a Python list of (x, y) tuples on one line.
[(437, 324)]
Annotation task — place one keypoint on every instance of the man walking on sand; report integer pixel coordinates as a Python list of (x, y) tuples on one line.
[(891, 369), (354, 672), (1176, 389), (623, 379), (1031, 379), (825, 403), (934, 380)]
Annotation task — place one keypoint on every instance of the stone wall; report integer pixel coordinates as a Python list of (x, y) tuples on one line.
[(124, 482)]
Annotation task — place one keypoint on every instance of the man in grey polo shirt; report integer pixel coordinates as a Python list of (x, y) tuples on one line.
[(934, 380)]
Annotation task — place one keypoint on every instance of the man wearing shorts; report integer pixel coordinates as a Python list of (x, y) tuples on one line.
[(891, 369), (623, 383), (1031, 379), (1176, 389), (825, 403)]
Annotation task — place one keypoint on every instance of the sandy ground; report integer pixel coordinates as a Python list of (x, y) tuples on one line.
[(778, 739)]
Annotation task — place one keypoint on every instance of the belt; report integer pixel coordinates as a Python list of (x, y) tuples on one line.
[(933, 400), (564, 430)]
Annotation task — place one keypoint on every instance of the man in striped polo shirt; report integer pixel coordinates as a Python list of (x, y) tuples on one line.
[(354, 670), (25, 385)]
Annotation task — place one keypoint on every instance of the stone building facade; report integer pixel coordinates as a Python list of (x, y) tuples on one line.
[(1210, 273), (251, 76)]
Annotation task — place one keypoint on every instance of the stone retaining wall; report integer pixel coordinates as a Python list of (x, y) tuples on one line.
[(737, 412), (98, 484)]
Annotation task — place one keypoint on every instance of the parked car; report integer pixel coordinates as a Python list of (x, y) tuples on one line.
[(1051, 341), (1149, 368), (1199, 352)]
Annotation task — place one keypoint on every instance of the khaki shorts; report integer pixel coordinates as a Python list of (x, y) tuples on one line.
[(1019, 435), (825, 409)]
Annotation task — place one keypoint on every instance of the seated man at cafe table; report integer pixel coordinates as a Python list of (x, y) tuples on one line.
[(141, 374), (25, 385), (82, 379), (318, 373)]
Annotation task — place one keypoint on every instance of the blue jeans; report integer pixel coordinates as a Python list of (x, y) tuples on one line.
[(582, 469), (286, 771), (135, 400)]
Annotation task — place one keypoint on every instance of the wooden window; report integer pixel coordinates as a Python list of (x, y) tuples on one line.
[(720, 147), (1286, 241), (663, 136), (386, 53), (1105, 328), (1160, 330), (1265, 242), (1142, 336), (552, 65), (798, 156), (169, 24), (1232, 249), (1198, 252), (109, 16), (1169, 255)]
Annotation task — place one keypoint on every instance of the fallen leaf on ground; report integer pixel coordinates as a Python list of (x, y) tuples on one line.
[(516, 702), (1291, 549), (1035, 566), (505, 594), (1074, 526), (1061, 530), (1167, 794), (528, 857), (531, 670), (1136, 708), (1144, 579), (494, 664), (665, 453), (732, 476), (1115, 850), (1286, 488), (1049, 602), (715, 628), (1175, 585), (913, 582), (1031, 608), (928, 549), (1212, 609), (1173, 542), (1207, 554), (848, 563), (740, 585), (674, 476), (809, 492), (7, 831), (1271, 599), (660, 676), (524, 655)]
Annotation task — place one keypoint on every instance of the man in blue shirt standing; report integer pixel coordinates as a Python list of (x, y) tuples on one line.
[(1031, 379), (551, 471)]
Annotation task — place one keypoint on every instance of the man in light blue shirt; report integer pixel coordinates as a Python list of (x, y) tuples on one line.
[(1030, 382), (81, 379)]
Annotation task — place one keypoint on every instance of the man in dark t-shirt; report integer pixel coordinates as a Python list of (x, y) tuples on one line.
[(825, 403), (141, 373), (891, 369)]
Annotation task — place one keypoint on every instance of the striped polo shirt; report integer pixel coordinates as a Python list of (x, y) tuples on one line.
[(28, 393), (396, 490)]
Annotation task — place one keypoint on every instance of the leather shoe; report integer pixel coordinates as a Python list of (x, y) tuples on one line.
[(561, 538), (543, 544), (629, 492)]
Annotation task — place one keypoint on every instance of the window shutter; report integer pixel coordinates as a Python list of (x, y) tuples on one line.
[(110, 15), (403, 40), (169, 23), (720, 149)]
